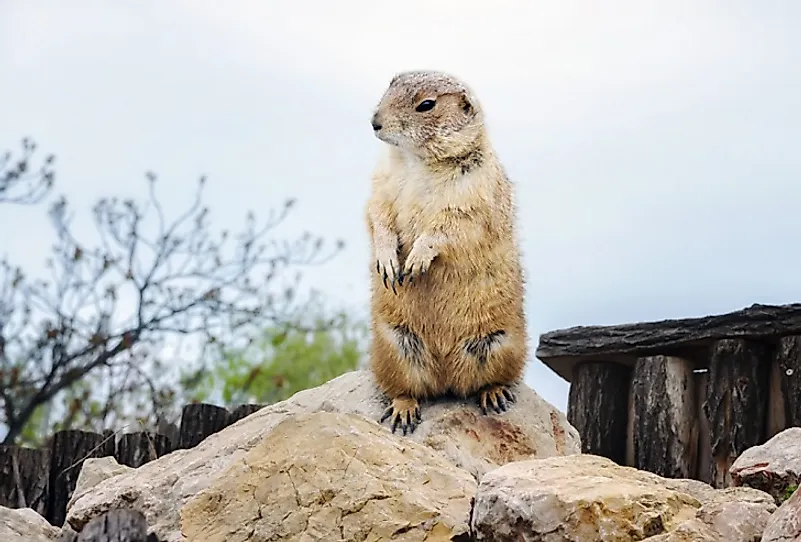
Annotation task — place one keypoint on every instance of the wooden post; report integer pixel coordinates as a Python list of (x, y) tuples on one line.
[(243, 411), (788, 361), (702, 471), (199, 420), (24, 477), (777, 420), (736, 402), (665, 422), (136, 449), (598, 408), (68, 451)]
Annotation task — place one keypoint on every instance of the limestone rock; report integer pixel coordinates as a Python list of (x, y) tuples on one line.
[(728, 515), (785, 524), (773, 467), (577, 499), (25, 525), (333, 477), (531, 428), (94, 471), (586, 498)]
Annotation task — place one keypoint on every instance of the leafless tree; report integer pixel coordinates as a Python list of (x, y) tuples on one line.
[(20, 182), (89, 341)]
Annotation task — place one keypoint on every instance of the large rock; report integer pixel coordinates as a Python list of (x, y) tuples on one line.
[(93, 471), (785, 525), (728, 515), (773, 467), (333, 477), (25, 525), (586, 498), (475, 443)]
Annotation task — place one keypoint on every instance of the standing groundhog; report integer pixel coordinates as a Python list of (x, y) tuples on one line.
[(447, 287)]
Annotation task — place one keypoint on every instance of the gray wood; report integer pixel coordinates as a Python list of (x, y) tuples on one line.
[(68, 450), (788, 358), (243, 411), (665, 428), (199, 420), (136, 449), (736, 402), (24, 477), (687, 338), (598, 408), (118, 525)]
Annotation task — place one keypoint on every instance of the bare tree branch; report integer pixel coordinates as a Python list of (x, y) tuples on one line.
[(20, 183), (91, 333)]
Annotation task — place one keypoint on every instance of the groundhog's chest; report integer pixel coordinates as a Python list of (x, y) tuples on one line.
[(421, 201)]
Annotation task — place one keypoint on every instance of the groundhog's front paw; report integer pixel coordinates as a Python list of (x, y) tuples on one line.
[(387, 267), (404, 412), (498, 397), (418, 261)]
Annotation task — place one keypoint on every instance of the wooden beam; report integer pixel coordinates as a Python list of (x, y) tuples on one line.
[(562, 349)]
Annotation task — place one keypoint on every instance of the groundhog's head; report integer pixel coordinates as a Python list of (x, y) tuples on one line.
[(431, 114)]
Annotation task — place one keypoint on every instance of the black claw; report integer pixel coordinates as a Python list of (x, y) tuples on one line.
[(387, 414), (394, 291), (501, 403), (385, 278), (377, 266), (509, 395)]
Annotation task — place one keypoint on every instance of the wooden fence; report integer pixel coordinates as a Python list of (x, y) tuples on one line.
[(44, 478), (682, 398)]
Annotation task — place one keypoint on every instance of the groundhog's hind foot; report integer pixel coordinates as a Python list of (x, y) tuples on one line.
[(498, 397), (404, 412)]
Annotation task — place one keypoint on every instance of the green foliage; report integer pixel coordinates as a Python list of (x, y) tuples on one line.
[(285, 360), (788, 492)]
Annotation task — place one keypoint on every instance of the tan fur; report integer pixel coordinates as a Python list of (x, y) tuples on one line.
[(441, 222)]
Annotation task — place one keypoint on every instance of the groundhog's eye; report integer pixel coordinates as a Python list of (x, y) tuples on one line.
[(425, 105)]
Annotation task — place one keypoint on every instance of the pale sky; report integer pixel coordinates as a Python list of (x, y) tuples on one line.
[(655, 146)]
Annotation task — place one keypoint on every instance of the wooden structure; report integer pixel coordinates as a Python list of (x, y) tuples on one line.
[(43, 479), (682, 398)]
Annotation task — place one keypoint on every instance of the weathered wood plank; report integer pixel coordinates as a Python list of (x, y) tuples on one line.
[(136, 449), (24, 477), (736, 402), (788, 359), (68, 450), (665, 425), (562, 349), (702, 471), (116, 525), (199, 420), (243, 411), (598, 408)]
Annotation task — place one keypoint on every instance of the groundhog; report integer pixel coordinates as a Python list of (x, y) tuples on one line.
[(447, 284)]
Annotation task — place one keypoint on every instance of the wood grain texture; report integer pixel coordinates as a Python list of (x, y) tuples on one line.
[(665, 425), (736, 402), (598, 406)]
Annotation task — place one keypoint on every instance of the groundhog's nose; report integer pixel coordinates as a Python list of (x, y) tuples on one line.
[(376, 122)]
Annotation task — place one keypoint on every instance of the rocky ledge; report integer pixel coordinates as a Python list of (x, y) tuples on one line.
[(319, 467)]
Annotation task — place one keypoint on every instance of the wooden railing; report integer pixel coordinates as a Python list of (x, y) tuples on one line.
[(682, 398)]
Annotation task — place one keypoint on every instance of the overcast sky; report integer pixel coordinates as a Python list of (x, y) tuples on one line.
[(655, 146)]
